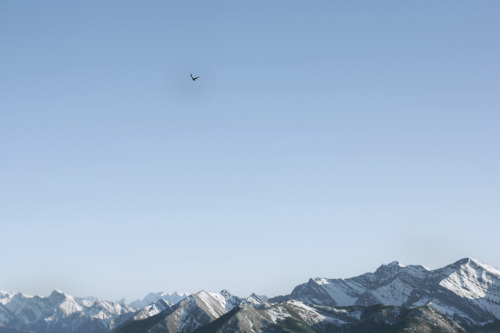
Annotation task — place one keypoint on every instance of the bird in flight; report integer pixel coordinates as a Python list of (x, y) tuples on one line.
[(194, 78)]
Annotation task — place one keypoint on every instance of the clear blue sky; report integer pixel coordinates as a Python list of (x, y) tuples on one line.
[(322, 139)]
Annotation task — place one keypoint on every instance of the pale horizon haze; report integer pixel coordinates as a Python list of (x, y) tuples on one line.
[(322, 139)]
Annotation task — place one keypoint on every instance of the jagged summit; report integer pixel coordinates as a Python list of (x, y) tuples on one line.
[(56, 293)]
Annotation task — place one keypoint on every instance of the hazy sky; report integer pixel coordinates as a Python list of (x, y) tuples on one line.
[(323, 138)]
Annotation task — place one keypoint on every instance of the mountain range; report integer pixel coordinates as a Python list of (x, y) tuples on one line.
[(461, 297)]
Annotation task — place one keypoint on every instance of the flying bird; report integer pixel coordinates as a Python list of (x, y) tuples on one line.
[(194, 78)]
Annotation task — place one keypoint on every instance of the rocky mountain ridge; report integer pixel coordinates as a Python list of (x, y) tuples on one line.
[(467, 290), (461, 297)]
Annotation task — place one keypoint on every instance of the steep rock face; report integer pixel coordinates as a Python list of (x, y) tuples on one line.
[(467, 290)]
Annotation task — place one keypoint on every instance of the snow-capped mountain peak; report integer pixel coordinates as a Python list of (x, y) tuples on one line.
[(473, 264)]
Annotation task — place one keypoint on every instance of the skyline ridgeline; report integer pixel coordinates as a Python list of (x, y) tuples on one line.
[(467, 292)]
